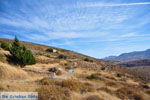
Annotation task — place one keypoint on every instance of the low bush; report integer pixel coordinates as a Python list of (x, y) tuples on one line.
[(145, 86), (39, 53), (88, 60), (92, 76), (53, 69), (62, 56), (136, 97), (49, 50), (119, 75), (66, 64), (103, 68)]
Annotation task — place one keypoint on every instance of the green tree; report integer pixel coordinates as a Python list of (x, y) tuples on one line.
[(20, 55)]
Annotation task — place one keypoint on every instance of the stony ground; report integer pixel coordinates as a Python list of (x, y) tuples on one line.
[(76, 79)]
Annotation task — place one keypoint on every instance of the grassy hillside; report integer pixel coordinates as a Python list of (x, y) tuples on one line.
[(79, 77)]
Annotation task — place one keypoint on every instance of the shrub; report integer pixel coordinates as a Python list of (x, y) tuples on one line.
[(53, 69), (145, 86), (39, 53), (103, 68), (62, 56), (66, 64), (88, 60), (136, 97), (92, 76), (49, 50), (5, 45), (20, 55), (119, 74)]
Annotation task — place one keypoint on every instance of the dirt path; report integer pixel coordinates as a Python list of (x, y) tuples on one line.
[(70, 73)]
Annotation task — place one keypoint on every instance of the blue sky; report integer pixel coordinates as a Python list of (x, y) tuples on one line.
[(97, 28)]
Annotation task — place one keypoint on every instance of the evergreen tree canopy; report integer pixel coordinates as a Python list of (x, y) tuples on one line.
[(20, 55)]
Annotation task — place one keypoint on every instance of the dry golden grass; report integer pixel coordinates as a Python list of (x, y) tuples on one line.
[(75, 85), (126, 93), (104, 86), (93, 97), (4, 52), (72, 85), (46, 81), (45, 60), (3, 59), (16, 86), (53, 92), (111, 83), (105, 89), (41, 67), (9, 72), (99, 95)]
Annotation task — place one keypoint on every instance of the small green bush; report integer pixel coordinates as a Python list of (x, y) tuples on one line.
[(66, 64), (20, 55), (5, 45), (88, 60), (39, 53), (92, 76), (119, 75), (62, 56), (49, 50)]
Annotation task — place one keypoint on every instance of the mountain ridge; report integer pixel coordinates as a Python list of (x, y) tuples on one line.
[(131, 56)]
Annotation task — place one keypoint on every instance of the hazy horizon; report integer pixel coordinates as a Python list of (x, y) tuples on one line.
[(97, 28)]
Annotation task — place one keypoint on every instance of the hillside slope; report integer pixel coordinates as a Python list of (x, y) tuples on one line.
[(78, 77)]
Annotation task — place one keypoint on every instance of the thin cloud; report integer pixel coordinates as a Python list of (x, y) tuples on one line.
[(112, 5)]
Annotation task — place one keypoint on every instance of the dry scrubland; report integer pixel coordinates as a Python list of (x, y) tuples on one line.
[(92, 79)]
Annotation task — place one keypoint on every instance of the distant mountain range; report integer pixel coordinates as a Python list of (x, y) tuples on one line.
[(132, 56)]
